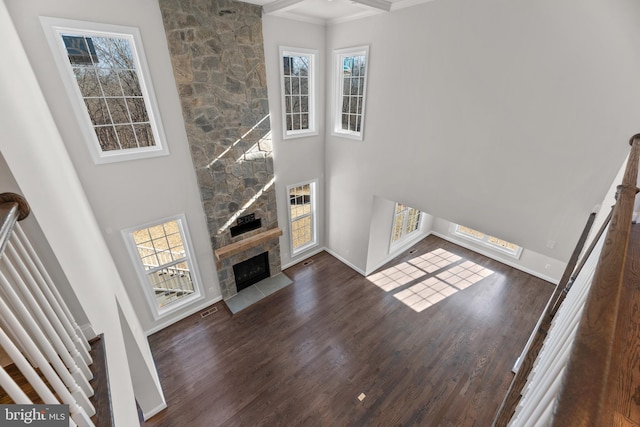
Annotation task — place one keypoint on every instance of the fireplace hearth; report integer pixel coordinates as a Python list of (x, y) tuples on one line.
[(251, 271)]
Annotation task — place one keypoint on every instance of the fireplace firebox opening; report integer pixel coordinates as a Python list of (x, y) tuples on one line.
[(251, 271)]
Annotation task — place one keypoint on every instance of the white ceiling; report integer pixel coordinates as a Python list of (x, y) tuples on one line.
[(330, 11)]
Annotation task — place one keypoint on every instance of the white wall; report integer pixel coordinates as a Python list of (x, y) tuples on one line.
[(508, 117), (539, 265), (36, 156), (380, 229), (126, 194), (41, 246), (301, 159)]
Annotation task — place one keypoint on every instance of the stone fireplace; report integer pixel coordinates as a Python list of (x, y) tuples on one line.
[(216, 49), (251, 271)]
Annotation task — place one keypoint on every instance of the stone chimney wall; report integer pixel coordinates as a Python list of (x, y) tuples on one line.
[(217, 53)]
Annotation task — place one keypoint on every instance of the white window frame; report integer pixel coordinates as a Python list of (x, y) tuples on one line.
[(313, 187), (157, 311), (338, 82), (405, 237), (54, 28), (486, 243), (312, 56)]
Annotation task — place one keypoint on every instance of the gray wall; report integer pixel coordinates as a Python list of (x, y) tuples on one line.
[(300, 159), (509, 117), (125, 194)]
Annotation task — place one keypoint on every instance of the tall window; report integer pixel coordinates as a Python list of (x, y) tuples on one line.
[(406, 221), (104, 70), (351, 83), (302, 216), (297, 69), (492, 242), (163, 257)]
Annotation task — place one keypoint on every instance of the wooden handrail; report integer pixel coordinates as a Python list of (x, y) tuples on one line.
[(13, 207), (508, 406), (587, 396)]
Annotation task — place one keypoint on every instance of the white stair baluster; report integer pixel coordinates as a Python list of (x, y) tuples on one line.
[(13, 389), (36, 321), (77, 401), (28, 372), (79, 393), (45, 314), (52, 294)]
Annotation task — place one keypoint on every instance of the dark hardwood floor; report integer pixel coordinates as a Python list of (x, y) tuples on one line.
[(302, 356)]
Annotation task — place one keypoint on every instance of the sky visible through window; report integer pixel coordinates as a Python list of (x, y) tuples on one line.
[(428, 279)]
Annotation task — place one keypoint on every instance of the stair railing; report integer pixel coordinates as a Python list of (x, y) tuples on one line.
[(576, 377), (37, 329)]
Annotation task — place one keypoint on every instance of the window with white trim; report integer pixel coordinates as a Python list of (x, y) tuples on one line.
[(297, 70), (302, 216), (104, 70), (350, 91), (488, 241), (163, 256), (406, 222)]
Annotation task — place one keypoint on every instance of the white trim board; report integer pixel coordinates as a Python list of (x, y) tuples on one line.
[(306, 256), (344, 261), (488, 254), (179, 317)]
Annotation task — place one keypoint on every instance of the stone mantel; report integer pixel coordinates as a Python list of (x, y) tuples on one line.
[(248, 243)]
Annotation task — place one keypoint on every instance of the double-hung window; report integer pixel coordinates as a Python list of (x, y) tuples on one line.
[(297, 70), (105, 73), (302, 216), (406, 222), (350, 91), (163, 257)]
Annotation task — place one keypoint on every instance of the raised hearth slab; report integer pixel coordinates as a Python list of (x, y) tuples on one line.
[(255, 293)]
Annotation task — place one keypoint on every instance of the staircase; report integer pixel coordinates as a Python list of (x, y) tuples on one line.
[(48, 359), (580, 366)]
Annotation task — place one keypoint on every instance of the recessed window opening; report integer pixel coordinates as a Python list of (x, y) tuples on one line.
[(302, 216), (488, 241), (350, 91), (162, 255), (406, 224), (297, 69), (110, 88), (429, 278)]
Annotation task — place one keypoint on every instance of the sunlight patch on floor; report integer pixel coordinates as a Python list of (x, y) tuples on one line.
[(435, 275)]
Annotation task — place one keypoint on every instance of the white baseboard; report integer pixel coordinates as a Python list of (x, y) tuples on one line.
[(397, 251), (344, 261), (304, 257), (151, 413), (495, 257), (179, 317)]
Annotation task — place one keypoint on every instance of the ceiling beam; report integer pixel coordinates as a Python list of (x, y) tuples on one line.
[(281, 5), (383, 5)]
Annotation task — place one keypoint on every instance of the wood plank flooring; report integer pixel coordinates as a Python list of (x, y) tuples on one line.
[(302, 356)]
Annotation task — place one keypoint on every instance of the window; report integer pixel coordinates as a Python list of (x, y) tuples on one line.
[(104, 71), (483, 239), (351, 83), (162, 254), (302, 216), (406, 221), (297, 68)]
